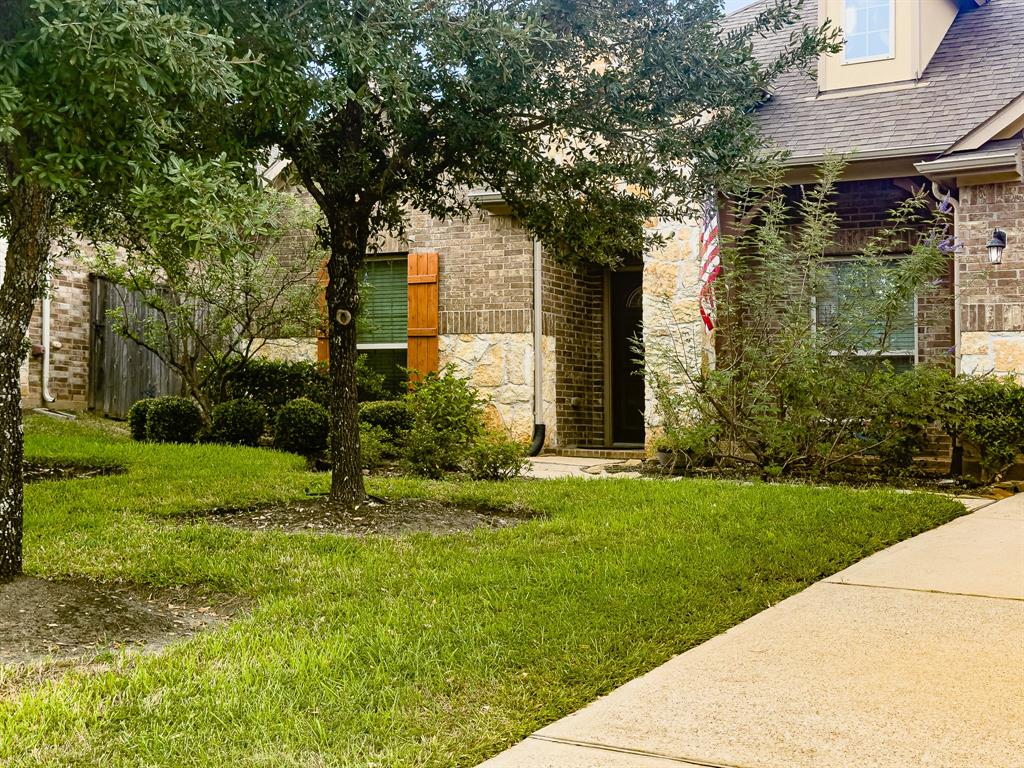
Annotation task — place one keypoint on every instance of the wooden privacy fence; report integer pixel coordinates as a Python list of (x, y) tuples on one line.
[(121, 371)]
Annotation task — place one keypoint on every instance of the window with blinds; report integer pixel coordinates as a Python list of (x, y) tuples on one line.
[(850, 283), (383, 329)]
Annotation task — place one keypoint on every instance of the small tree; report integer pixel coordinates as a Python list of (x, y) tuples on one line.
[(218, 276), (800, 381), (581, 115), (94, 95)]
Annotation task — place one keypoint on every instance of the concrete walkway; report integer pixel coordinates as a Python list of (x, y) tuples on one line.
[(556, 467), (913, 657)]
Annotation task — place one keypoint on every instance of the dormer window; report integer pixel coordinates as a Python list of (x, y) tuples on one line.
[(868, 25)]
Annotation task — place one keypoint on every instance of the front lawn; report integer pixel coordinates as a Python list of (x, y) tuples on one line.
[(419, 651)]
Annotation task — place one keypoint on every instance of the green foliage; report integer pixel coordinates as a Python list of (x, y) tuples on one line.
[(217, 268), (96, 94), (692, 443), (447, 417), (272, 383), (374, 446), (173, 420), (301, 426), (801, 382), (137, 416), (907, 407), (394, 416), (370, 384), (986, 412), (495, 456), (238, 422)]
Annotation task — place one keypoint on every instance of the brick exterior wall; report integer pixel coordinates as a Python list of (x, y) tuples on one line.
[(992, 297), (486, 291), (574, 315), (70, 328)]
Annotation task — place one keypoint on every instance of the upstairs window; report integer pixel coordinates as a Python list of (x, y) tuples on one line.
[(868, 25)]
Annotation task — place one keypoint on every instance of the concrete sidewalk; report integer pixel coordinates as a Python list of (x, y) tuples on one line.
[(912, 657)]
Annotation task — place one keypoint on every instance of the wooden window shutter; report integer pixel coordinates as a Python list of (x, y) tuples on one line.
[(323, 353), (423, 309)]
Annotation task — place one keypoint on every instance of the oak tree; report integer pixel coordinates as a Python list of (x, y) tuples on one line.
[(94, 96)]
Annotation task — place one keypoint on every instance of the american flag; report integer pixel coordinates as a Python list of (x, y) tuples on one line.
[(710, 263)]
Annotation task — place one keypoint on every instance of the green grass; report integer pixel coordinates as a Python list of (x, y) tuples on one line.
[(424, 651)]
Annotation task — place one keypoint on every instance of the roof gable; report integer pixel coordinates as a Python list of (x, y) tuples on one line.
[(977, 72)]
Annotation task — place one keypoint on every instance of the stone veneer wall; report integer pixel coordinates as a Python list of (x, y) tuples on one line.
[(501, 366), (674, 333), (992, 297), (70, 329)]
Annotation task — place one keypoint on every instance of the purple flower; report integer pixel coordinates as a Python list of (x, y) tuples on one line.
[(946, 205)]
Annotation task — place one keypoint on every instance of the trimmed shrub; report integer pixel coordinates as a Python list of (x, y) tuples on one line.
[(273, 383), (393, 416), (986, 412), (238, 422), (173, 420), (495, 456), (374, 446), (276, 382), (447, 417), (302, 427), (137, 418)]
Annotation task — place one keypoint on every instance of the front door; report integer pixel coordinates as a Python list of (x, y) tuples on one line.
[(626, 380)]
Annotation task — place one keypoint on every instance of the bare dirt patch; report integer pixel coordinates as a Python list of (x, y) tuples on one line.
[(60, 620), (34, 471), (393, 517)]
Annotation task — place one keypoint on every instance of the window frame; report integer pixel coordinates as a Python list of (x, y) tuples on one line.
[(370, 345), (880, 57), (914, 355)]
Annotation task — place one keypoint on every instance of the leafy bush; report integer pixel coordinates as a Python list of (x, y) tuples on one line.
[(802, 383), (986, 412), (447, 417), (276, 382), (173, 420), (238, 422), (273, 383), (137, 418), (374, 446), (302, 427), (370, 384), (393, 416), (907, 407), (495, 456), (691, 443)]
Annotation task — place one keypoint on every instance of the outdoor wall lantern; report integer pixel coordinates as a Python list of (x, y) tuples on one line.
[(996, 246)]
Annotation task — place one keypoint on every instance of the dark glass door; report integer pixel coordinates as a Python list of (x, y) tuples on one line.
[(627, 381)]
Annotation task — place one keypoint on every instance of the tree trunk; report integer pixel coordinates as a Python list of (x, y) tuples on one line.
[(349, 235), (29, 246)]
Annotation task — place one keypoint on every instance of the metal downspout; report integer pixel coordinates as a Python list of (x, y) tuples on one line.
[(955, 202), (539, 429)]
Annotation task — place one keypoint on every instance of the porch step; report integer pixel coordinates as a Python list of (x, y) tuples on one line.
[(598, 453)]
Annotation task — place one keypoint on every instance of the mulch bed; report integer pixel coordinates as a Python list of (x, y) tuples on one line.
[(35, 471), (42, 619), (393, 517)]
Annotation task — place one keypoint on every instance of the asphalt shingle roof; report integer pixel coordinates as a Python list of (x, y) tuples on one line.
[(977, 70)]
